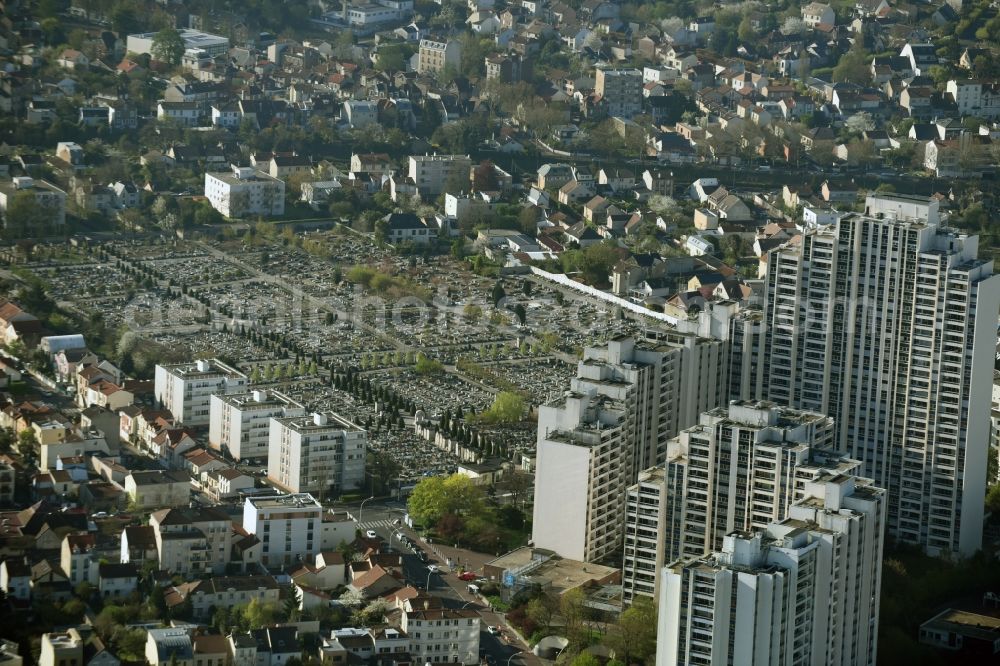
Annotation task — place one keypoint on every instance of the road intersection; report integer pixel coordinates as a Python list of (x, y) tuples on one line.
[(387, 520)]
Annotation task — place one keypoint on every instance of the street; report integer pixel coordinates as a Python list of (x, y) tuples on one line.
[(381, 517)]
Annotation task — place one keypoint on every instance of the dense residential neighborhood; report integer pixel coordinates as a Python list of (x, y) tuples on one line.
[(583, 332)]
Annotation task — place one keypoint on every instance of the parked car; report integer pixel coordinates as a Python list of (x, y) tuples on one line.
[(468, 575), (494, 630)]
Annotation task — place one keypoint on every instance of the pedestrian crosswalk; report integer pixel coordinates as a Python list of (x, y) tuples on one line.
[(375, 524)]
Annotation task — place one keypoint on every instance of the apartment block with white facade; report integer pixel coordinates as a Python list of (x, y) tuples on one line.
[(186, 389), (245, 191), (241, 423), (583, 467), (670, 378), (288, 526), (443, 635), (646, 517), (628, 399), (744, 339), (430, 173), (740, 468), (322, 453), (803, 591), (888, 324)]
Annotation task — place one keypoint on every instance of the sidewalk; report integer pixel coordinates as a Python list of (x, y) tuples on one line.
[(469, 560), (473, 561)]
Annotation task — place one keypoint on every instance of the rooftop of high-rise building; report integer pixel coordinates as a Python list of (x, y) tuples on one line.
[(319, 421), (201, 369), (294, 500), (259, 399)]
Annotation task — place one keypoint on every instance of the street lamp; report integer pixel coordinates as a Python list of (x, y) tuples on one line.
[(428, 585), (361, 509), (514, 655)]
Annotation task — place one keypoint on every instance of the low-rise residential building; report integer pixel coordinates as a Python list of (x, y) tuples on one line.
[(117, 581), (61, 649), (79, 558), (106, 394), (68, 443), (185, 114), (139, 545), (210, 650), (169, 446), (276, 645), (360, 113), (226, 483), (43, 193), (155, 489), (327, 573), (192, 541), (969, 637), (443, 635), (406, 228), (223, 591), (169, 647), (15, 579), (816, 13)]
